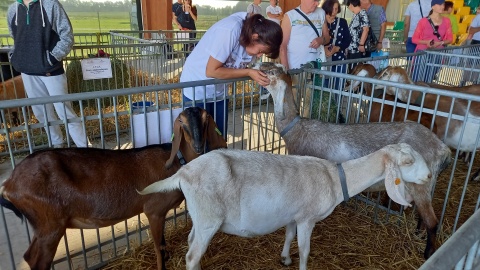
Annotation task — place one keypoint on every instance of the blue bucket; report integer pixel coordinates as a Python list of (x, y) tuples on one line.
[(139, 106)]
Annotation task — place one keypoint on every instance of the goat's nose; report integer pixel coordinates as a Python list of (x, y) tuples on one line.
[(198, 149)]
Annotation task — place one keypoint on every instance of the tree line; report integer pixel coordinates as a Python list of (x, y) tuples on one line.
[(126, 6)]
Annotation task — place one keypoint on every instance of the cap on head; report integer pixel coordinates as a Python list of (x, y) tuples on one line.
[(437, 2)]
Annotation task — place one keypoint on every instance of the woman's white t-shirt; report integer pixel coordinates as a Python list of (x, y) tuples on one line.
[(274, 10), (221, 41), (298, 50)]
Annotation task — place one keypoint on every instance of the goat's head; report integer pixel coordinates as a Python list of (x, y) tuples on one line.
[(280, 82), (361, 70), (398, 75), (403, 163), (194, 130)]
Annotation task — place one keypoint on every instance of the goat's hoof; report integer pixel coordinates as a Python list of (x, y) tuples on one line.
[(286, 261)]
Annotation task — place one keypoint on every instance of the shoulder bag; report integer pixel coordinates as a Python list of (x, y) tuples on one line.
[(309, 22), (329, 59), (371, 42)]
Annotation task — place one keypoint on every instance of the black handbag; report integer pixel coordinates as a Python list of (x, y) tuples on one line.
[(371, 42)]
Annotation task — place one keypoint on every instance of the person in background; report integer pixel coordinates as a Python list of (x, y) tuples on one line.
[(414, 12), (378, 21), (301, 44), (185, 16), (359, 27), (254, 8), (339, 38), (448, 12), (425, 37), (43, 37), (224, 52), (474, 30), (274, 12), (175, 6)]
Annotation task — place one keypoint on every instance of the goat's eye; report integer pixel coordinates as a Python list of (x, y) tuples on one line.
[(409, 161)]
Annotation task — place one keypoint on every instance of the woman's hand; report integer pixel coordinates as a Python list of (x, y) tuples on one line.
[(316, 42), (258, 76), (361, 48)]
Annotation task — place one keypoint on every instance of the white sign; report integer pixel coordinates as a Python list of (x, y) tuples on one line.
[(157, 130), (96, 68)]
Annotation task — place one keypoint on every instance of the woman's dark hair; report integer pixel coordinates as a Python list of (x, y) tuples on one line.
[(354, 3), (269, 34), (328, 6), (447, 5)]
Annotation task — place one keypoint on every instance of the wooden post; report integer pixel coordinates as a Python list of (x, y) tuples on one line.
[(157, 15), (287, 5)]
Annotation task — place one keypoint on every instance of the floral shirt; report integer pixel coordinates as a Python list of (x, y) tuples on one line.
[(359, 21), (343, 37)]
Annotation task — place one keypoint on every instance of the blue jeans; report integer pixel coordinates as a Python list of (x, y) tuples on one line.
[(338, 83), (217, 109)]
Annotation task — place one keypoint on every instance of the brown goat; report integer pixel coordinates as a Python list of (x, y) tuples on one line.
[(12, 88), (87, 188), (388, 112), (451, 136)]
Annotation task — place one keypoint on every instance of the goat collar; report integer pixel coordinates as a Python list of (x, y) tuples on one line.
[(343, 182), (289, 126), (181, 158)]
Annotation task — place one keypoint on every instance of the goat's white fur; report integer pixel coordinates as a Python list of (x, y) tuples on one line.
[(255, 193), (342, 142)]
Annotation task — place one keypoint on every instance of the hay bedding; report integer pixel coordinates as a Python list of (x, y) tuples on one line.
[(347, 239), (344, 240)]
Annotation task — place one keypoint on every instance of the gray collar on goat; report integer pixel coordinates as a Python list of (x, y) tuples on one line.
[(181, 158), (343, 182), (289, 126)]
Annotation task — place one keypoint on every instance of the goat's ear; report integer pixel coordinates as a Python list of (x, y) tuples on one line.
[(214, 135), (383, 71), (394, 185), (177, 139)]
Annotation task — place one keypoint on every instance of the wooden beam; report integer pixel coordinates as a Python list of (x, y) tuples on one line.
[(287, 5), (157, 14)]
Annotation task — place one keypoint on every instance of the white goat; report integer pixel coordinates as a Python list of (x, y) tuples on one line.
[(342, 142), (251, 193)]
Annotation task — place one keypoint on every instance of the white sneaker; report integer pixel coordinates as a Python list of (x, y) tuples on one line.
[(59, 145)]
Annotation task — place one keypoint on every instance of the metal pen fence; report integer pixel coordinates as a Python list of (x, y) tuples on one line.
[(461, 251), (134, 61), (250, 127), (456, 193)]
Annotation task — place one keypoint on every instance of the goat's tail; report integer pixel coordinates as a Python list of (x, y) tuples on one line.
[(9, 205), (166, 185)]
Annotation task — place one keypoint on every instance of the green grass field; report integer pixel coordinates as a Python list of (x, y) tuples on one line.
[(92, 22)]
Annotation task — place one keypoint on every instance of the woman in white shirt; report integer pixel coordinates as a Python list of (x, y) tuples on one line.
[(225, 52), (274, 12)]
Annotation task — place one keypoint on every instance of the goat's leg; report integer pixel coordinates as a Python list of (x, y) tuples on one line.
[(41, 251), (199, 242), (15, 120), (157, 223), (156, 211), (290, 232), (476, 175), (423, 202), (304, 233)]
